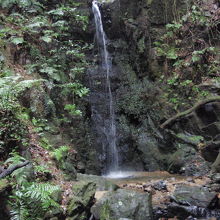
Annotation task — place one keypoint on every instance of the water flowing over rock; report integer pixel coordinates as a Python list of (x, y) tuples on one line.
[(102, 100)]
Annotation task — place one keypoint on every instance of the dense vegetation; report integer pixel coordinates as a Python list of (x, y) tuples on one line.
[(189, 50), (43, 61), (38, 52)]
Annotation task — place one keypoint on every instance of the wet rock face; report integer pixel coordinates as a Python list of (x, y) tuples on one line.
[(132, 27), (123, 204)]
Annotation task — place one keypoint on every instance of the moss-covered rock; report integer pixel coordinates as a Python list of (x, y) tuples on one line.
[(123, 204), (79, 206)]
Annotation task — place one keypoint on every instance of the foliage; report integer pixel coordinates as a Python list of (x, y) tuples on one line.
[(40, 125), (44, 142), (60, 153), (189, 52), (40, 41), (136, 99), (32, 200), (74, 88), (45, 34), (71, 108), (41, 170), (29, 200)]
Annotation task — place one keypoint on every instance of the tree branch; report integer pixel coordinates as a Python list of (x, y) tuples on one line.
[(10, 170), (181, 115)]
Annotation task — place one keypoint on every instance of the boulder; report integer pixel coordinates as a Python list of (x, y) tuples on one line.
[(189, 201), (193, 196), (102, 183), (123, 204), (79, 206)]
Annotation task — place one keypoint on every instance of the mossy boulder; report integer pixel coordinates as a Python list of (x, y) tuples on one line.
[(83, 199), (123, 204)]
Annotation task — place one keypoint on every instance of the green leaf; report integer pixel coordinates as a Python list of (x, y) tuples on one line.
[(17, 40), (46, 39), (171, 54), (195, 58)]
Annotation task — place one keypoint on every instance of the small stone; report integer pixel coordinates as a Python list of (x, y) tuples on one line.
[(191, 180), (161, 185), (216, 178), (215, 187)]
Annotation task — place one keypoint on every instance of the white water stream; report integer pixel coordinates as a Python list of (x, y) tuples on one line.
[(110, 128)]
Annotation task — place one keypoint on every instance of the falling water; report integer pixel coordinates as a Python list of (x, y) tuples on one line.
[(109, 125)]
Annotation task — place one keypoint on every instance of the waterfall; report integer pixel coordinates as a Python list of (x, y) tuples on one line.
[(107, 120)]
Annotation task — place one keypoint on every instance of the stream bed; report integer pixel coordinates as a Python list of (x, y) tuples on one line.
[(173, 196)]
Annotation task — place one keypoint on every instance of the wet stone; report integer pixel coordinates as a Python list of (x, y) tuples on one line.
[(193, 196), (161, 185), (216, 178), (215, 187)]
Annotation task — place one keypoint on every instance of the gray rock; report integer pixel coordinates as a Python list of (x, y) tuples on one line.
[(193, 196), (216, 178), (102, 183), (123, 204), (215, 187), (160, 185)]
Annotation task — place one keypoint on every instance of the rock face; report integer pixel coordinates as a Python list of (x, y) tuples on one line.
[(123, 204), (79, 206), (132, 27)]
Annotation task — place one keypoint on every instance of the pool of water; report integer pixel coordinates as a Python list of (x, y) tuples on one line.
[(130, 177)]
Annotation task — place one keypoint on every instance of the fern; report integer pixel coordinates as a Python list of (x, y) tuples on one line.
[(41, 193), (14, 158), (32, 201), (60, 153)]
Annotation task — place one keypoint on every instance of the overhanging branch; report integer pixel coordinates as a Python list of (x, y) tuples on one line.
[(11, 169), (181, 115)]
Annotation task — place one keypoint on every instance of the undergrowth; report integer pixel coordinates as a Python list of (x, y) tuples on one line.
[(190, 54)]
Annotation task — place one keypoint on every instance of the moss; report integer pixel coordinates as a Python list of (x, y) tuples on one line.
[(191, 139), (141, 45), (105, 212), (4, 184), (149, 2)]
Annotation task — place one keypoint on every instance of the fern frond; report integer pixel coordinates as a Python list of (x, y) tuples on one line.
[(19, 210), (41, 193)]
